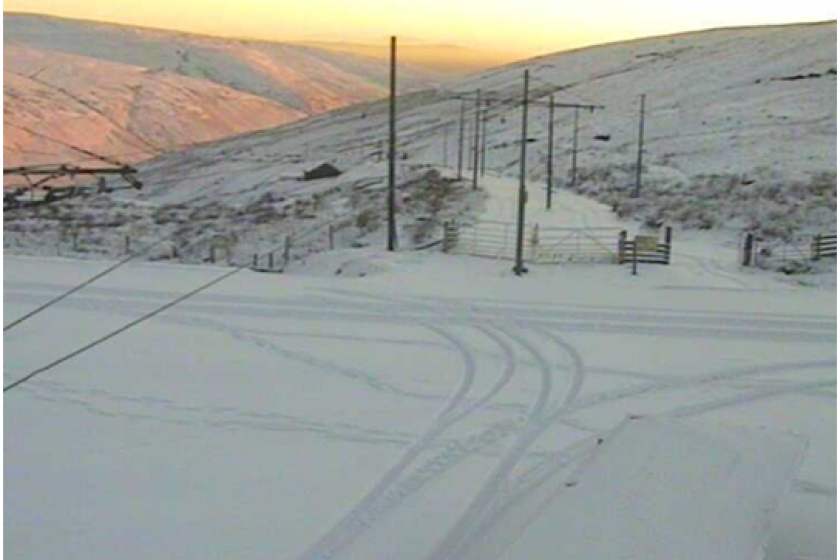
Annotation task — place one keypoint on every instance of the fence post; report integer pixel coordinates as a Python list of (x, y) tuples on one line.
[(256, 261), (815, 247), (127, 244), (635, 258), (287, 250), (749, 243), (622, 240), (271, 261), (535, 242), (448, 236), (669, 237)]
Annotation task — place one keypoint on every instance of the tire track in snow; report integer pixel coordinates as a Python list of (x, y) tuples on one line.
[(587, 323), (462, 533), (343, 535), (539, 476), (363, 514)]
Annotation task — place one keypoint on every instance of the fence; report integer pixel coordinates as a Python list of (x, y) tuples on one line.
[(298, 247), (779, 254), (629, 251), (541, 245)]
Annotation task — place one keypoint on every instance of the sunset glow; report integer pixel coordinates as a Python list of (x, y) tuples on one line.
[(504, 27)]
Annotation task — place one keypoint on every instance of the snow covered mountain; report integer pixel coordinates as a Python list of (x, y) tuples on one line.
[(740, 132), (135, 92)]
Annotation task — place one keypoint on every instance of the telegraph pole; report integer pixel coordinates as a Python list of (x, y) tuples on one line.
[(550, 163), (461, 140), (477, 132), (575, 147), (640, 155), (392, 152), (519, 268), (484, 120), (446, 144)]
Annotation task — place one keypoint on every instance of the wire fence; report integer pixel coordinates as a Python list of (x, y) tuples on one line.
[(787, 254)]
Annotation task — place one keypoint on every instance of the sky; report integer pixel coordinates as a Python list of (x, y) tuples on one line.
[(513, 28)]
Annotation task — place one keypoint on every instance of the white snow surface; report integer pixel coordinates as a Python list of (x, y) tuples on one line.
[(664, 489), (418, 398)]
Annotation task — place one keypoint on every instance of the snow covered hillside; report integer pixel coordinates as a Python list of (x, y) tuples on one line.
[(135, 92), (741, 134), (116, 110)]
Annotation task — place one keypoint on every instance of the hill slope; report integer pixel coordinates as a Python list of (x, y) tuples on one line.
[(54, 67), (741, 132)]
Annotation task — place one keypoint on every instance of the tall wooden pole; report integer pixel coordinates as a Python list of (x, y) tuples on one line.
[(484, 119), (461, 139), (477, 132), (446, 145), (392, 152), (640, 155), (519, 268), (549, 187), (575, 147)]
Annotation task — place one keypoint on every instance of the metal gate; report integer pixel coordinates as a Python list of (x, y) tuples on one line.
[(541, 245)]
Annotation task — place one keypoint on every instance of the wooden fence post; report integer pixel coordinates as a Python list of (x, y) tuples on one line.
[(287, 251), (815, 247), (669, 237), (635, 258), (256, 261), (127, 244), (271, 261), (749, 244), (622, 242), (447, 244)]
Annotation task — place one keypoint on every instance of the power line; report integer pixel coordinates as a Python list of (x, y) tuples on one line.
[(87, 282), (138, 321), (62, 142), (121, 330)]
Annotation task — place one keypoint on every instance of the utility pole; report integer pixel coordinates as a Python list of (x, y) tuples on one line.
[(519, 268), (477, 132), (392, 152), (575, 147), (484, 119), (640, 155), (446, 144), (549, 187), (461, 139)]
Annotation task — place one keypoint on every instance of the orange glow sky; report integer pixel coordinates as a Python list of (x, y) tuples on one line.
[(509, 27)]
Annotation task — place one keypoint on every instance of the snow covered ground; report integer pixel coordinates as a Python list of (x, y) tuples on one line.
[(368, 405)]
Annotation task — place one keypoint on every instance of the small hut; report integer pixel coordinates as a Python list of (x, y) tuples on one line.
[(323, 171)]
